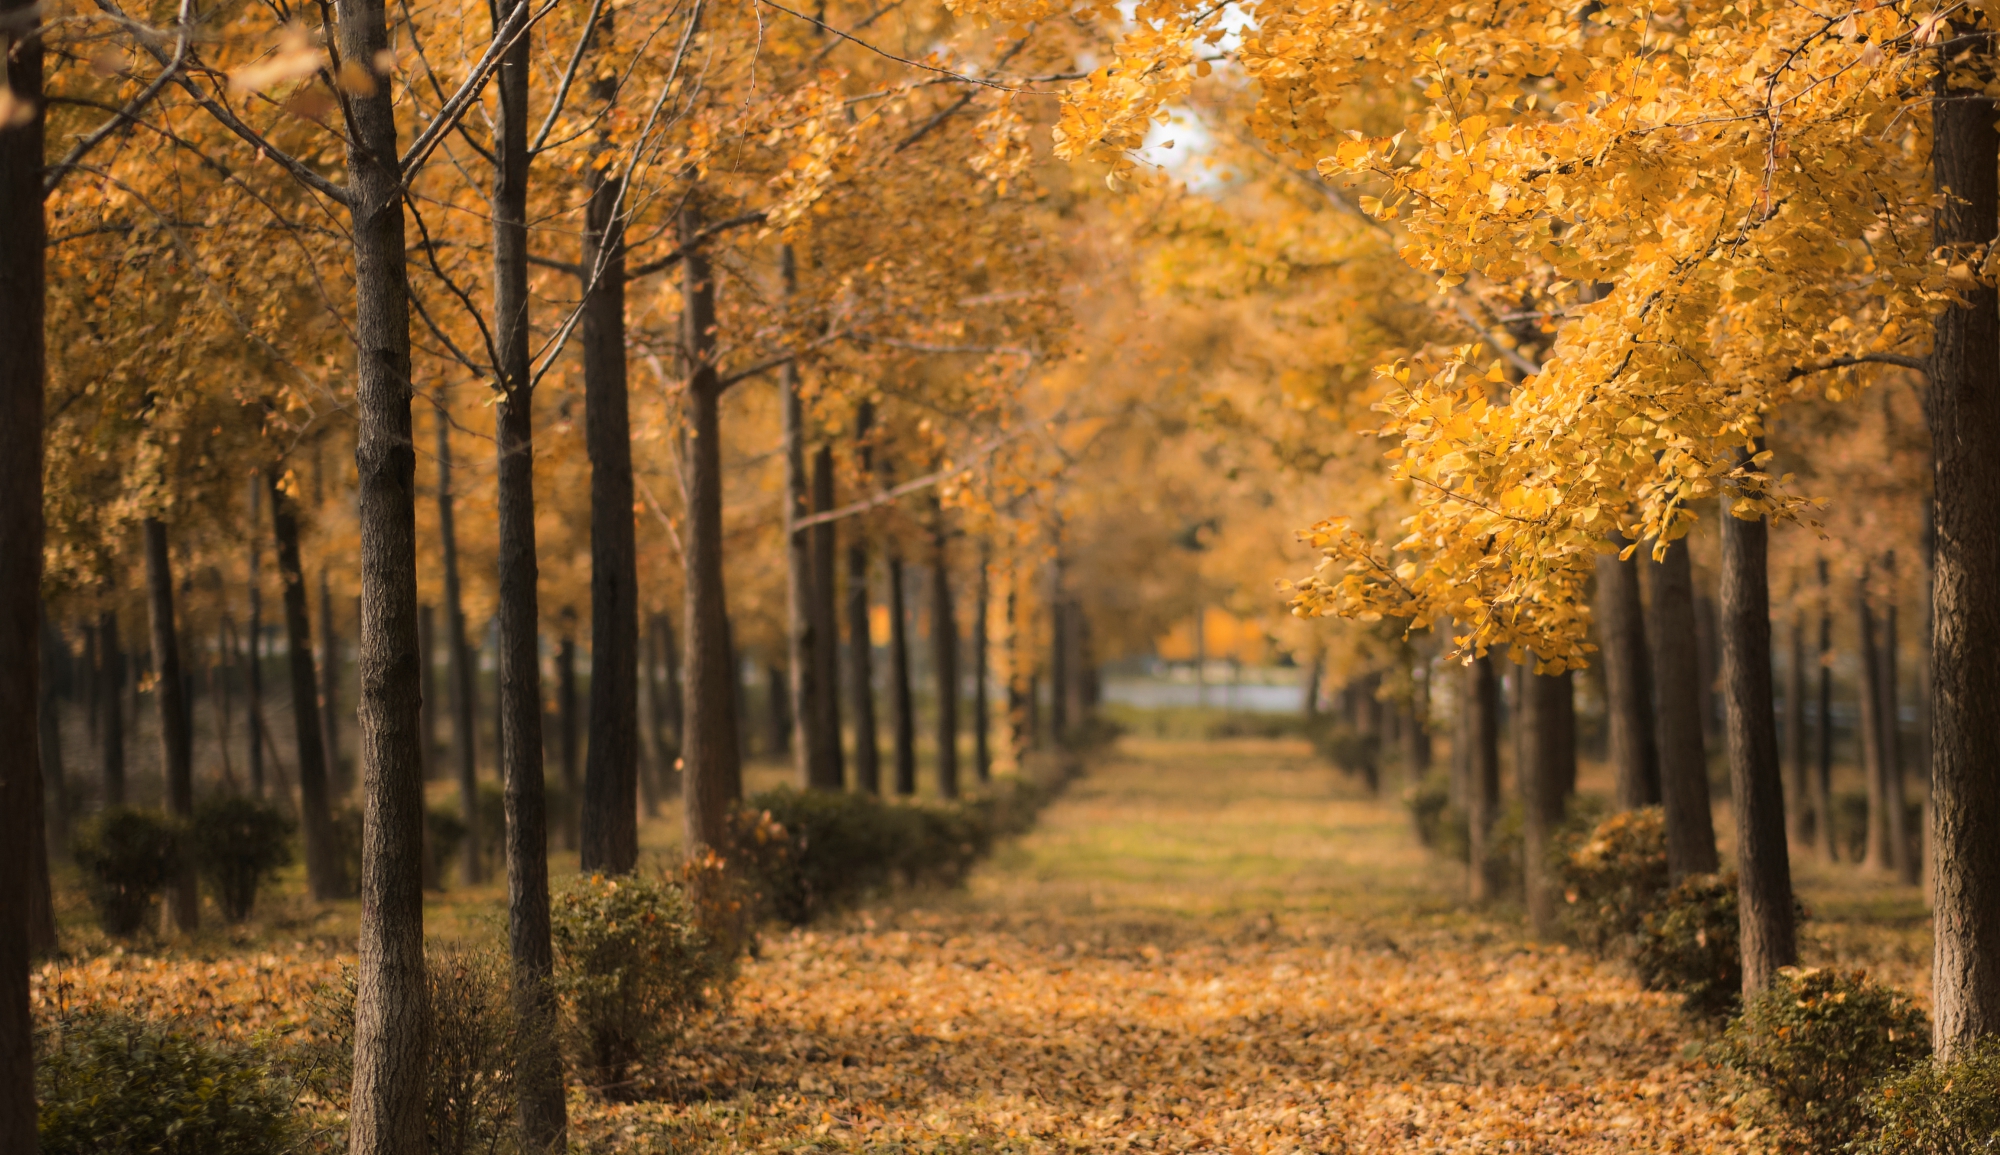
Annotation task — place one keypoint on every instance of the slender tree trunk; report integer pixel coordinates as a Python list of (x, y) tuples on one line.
[(176, 743), (982, 713), (1965, 427), (23, 379), (899, 682), (427, 727), (1875, 855), (567, 737), (323, 871), (253, 666), (1829, 843), (1798, 792), (1550, 724), (825, 702), (801, 624), (1710, 657), (713, 776), (55, 779), (861, 673), (1756, 783), (464, 686), (944, 659), (1628, 678), (1676, 672), (391, 1015), (676, 701), (329, 694), (1901, 858), (778, 720), (1483, 766), (652, 728), (611, 769), (111, 707)]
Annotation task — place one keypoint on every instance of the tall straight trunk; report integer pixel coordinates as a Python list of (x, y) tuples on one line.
[(671, 711), (219, 695), (1925, 851), (901, 707), (253, 666), (55, 780), (1482, 804), (538, 1080), (824, 730), (778, 720), (1550, 726), (1765, 912), (391, 1011), (1823, 833), (568, 739), (323, 870), (1710, 656), (91, 679), (713, 772), (1628, 678), (1965, 427), (861, 673), (329, 693), (1875, 856), (944, 661), (464, 686), (111, 707), (652, 728), (23, 378), (801, 625), (982, 712), (1683, 759), (611, 770), (176, 742), (1902, 859), (1798, 792), (427, 714)]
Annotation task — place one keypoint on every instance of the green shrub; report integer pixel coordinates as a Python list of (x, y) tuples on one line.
[(1815, 1041), (108, 1083), (128, 856), (1440, 825), (1614, 876), (1352, 751), (1938, 1108), (1688, 944), (238, 843), (632, 969)]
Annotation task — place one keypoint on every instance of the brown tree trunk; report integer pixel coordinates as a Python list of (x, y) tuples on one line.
[(176, 743), (253, 665), (1875, 856), (1482, 803), (111, 707), (778, 719), (1965, 428), (944, 661), (427, 727), (1756, 782), (861, 673), (982, 712), (824, 730), (1828, 843), (653, 766), (567, 738), (1901, 857), (50, 804), (1550, 766), (323, 870), (464, 688), (713, 771), (901, 707), (1628, 678), (1709, 654), (1798, 792), (329, 695), (1676, 672), (668, 717), (611, 767), (801, 625)]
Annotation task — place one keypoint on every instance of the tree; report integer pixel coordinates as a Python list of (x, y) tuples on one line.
[(323, 870), (1628, 677), (176, 742)]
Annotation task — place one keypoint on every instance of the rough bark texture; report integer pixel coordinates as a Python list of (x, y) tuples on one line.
[(1628, 679), (464, 692), (1823, 748), (323, 872), (1798, 791), (391, 1011), (1676, 676), (1550, 726), (253, 665), (982, 712), (944, 662), (1756, 783), (824, 729), (169, 696), (1482, 804), (22, 380), (1965, 429), (901, 708), (611, 769), (713, 771)]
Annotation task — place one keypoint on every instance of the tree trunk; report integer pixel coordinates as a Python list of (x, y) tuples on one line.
[(801, 624), (825, 701), (611, 768), (50, 805), (982, 713), (1965, 428), (23, 379), (1060, 673), (1676, 673), (1875, 857), (1628, 678), (1710, 657), (323, 870), (778, 720), (1829, 845), (329, 694), (653, 767), (713, 771), (1756, 783), (1901, 858), (1550, 725), (253, 666), (1482, 806), (667, 718), (899, 682), (567, 738), (861, 673), (944, 660), (464, 687), (391, 1012), (538, 1080), (111, 707), (1798, 792), (427, 727), (176, 739)]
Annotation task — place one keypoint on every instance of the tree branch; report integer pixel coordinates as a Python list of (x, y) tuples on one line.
[(1899, 360), (53, 176), (707, 233)]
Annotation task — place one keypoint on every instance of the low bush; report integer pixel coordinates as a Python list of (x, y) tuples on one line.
[(1439, 825), (1613, 877), (110, 1083), (444, 833), (632, 968), (1687, 944), (239, 842), (1938, 1108), (1350, 750), (128, 856), (1815, 1041)]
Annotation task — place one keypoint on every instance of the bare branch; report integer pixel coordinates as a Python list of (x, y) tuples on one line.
[(708, 232), (53, 176)]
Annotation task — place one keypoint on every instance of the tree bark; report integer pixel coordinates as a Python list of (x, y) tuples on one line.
[(176, 742), (671, 711), (323, 870), (824, 730), (899, 682), (1875, 856), (1550, 726), (778, 720), (111, 707), (464, 688), (253, 666), (653, 767), (801, 624), (1798, 792), (55, 779), (1676, 673), (329, 695), (1965, 428), (982, 712), (567, 738), (391, 1015), (1628, 678), (1829, 846), (427, 727), (1482, 805), (713, 774), (1902, 859), (944, 661), (1765, 912), (861, 673)]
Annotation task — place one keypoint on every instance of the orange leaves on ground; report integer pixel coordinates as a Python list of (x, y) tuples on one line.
[(264, 995)]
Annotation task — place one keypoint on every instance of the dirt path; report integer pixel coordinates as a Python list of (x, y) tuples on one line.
[(1202, 947)]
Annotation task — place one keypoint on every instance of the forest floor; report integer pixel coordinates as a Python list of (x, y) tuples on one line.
[(1212, 946)]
